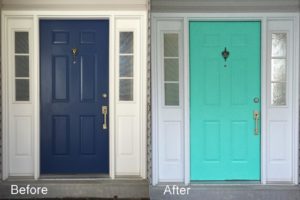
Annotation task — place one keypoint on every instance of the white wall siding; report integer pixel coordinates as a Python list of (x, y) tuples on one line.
[(149, 116), (1, 155), (229, 6), (75, 5)]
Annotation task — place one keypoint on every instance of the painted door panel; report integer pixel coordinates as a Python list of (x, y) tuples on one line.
[(72, 138), (223, 143)]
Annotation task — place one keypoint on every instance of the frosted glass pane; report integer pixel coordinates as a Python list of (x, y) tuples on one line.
[(21, 42), (171, 94), (126, 66), (22, 66), (126, 90), (171, 70), (278, 70), (126, 42), (279, 43), (171, 45), (278, 94), (22, 90)]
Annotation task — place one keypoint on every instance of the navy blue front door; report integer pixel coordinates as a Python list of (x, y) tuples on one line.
[(74, 81)]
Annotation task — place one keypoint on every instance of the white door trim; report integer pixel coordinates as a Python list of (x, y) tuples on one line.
[(263, 17), (109, 15)]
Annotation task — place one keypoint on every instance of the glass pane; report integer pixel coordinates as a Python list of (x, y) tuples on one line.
[(278, 94), (22, 90), (279, 43), (278, 70), (126, 42), (171, 45), (126, 66), (22, 66), (171, 70), (126, 90), (21, 42), (171, 94)]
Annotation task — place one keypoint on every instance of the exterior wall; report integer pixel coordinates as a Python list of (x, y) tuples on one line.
[(149, 130), (75, 5), (0, 101), (231, 6)]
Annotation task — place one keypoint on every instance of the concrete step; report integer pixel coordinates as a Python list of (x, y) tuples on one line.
[(227, 192), (110, 189)]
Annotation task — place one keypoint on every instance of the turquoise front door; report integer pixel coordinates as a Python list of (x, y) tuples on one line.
[(224, 98)]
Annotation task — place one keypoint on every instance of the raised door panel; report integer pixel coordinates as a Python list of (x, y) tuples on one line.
[(171, 154), (88, 78), (61, 135), (88, 131), (21, 146), (279, 151), (60, 78)]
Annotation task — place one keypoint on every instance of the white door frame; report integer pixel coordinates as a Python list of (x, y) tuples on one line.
[(40, 15), (186, 18)]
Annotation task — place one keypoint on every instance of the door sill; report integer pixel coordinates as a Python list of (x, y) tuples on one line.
[(73, 176), (86, 177), (231, 182)]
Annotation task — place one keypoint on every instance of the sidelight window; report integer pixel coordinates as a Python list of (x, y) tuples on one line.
[(21, 60), (279, 69), (126, 63), (171, 69)]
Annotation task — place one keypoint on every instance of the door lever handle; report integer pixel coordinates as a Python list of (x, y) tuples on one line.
[(104, 113), (256, 118)]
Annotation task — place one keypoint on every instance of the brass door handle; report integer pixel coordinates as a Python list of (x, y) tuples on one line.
[(256, 118), (104, 112)]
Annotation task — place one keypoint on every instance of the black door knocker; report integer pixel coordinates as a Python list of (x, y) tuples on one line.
[(225, 55)]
